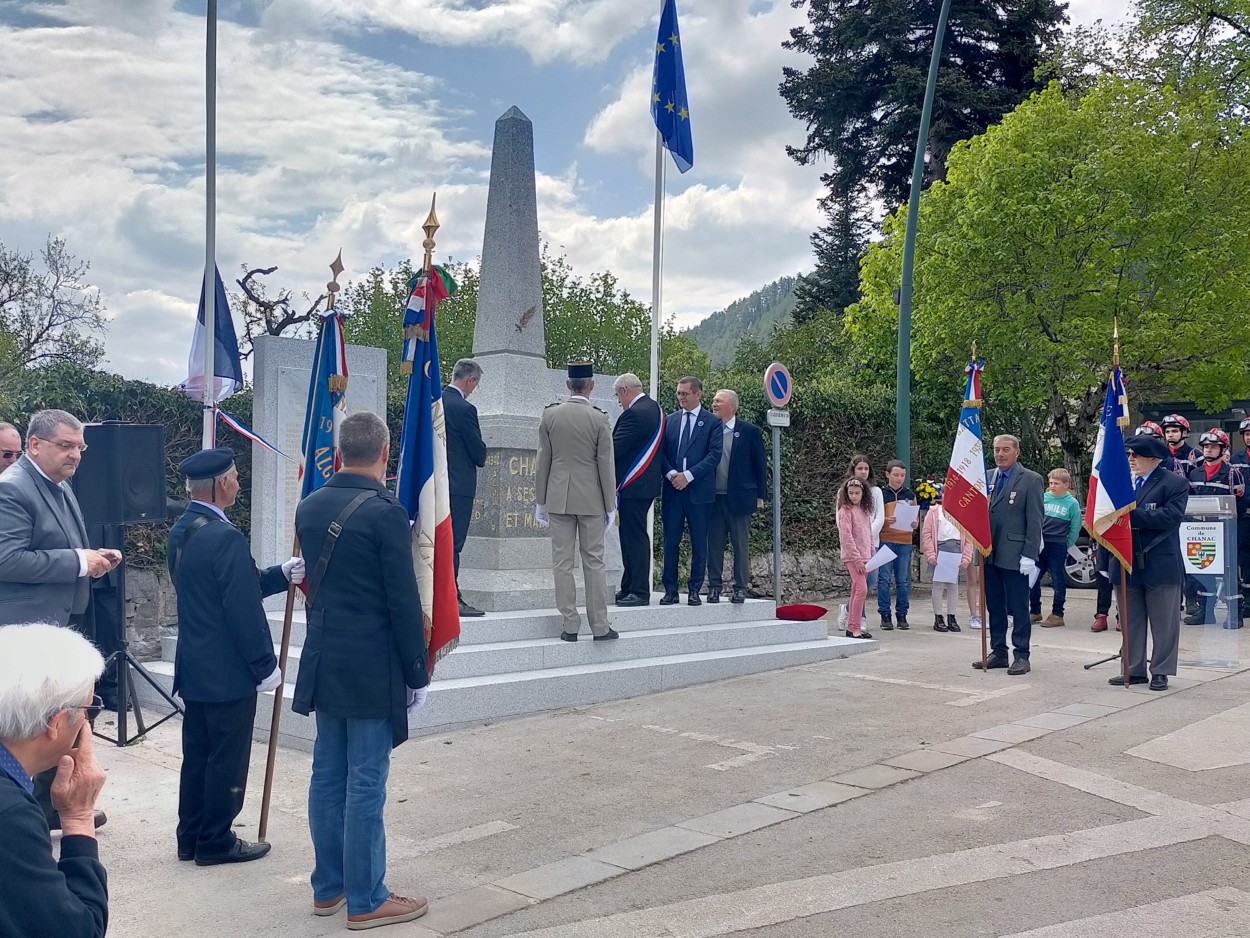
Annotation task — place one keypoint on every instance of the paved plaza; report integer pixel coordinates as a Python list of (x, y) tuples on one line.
[(897, 793)]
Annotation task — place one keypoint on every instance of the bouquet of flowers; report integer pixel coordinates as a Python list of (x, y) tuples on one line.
[(928, 493)]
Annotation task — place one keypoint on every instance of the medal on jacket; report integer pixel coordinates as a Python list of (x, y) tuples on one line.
[(1011, 498)]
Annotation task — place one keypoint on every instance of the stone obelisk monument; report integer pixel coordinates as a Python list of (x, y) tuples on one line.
[(506, 563)]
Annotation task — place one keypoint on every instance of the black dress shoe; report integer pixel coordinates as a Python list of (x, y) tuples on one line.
[(633, 599), (860, 634), (738, 597), (568, 636), (608, 636), (990, 663), (186, 853), (694, 600), (1159, 682), (1118, 680), (241, 851), (668, 599), (621, 594), (98, 818), (470, 612), (1019, 666), (713, 595)]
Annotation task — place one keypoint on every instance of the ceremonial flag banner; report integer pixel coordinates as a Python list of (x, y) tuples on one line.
[(226, 364), (965, 498), (326, 405), (239, 427), (669, 106), (421, 477), (1110, 497)]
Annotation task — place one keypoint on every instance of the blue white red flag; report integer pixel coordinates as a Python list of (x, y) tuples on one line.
[(1110, 497), (965, 495), (421, 476), (327, 406), (239, 427), (227, 368)]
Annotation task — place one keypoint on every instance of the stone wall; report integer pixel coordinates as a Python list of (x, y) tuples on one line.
[(813, 577), (151, 611)]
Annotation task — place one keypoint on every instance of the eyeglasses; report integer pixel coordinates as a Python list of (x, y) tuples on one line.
[(92, 710), (10, 453), (685, 393), (64, 446)]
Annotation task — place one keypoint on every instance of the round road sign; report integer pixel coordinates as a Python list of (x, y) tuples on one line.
[(777, 384)]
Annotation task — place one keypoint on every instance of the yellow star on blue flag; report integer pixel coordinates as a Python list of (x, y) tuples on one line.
[(669, 105)]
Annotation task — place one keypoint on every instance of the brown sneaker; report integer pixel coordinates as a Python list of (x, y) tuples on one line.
[(330, 906), (394, 910), (1035, 617), (1052, 621)]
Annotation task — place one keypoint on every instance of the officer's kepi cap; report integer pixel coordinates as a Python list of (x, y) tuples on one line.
[(1144, 444), (581, 370), (207, 463)]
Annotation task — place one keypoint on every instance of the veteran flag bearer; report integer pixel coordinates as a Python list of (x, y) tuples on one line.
[(224, 659)]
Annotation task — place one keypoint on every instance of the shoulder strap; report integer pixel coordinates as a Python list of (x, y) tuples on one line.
[(332, 536), (175, 559)]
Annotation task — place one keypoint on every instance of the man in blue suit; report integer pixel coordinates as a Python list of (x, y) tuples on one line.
[(1156, 583), (741, 481), (466, 454), (691, 453)]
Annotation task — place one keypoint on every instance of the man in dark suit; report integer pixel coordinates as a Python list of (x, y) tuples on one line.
[(636, 442), (224, 659), (1016, 534), (48, 674), (691, 453), (363, 670), (46, 563), (1157, 581), (741, 481), (466, 454)]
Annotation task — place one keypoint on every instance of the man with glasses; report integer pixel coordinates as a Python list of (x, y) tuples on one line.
[(10, 445), (635, 446), (46, 563), (47, 675)]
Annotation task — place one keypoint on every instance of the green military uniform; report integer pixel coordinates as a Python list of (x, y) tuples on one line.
[(576, 482)]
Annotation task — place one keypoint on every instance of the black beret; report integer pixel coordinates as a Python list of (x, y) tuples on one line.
[(581, 370), (207, 463), (1146, 444)]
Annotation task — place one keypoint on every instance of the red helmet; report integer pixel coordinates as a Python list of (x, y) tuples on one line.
[(1214, 435), (1150, 428), (1175, 420)]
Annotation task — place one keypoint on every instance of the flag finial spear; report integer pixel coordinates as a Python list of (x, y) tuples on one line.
[(974, 349), (332, 288), (431, 225), (1115, 356)]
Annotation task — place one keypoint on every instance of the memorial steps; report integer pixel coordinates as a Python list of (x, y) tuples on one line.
[(514, 664)]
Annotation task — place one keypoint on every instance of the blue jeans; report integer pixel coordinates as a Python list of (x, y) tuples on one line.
[(1054, 553), (897, 570), (351, 760)]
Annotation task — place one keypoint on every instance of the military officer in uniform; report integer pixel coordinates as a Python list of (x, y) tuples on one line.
[(576, 495), (224, 658)]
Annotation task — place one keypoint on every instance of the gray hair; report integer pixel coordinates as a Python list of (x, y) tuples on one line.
[(5, 425), (45, 423), (44, 669), (466, 368), (732, 395), (201, 487), (580, 385), (1015, 440), (627, 380), (362, 437)]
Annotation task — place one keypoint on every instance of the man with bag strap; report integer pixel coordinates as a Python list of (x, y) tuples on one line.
[(224, 658)]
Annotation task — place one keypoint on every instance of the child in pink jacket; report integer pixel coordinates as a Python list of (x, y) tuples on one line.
[(855, 538), (940, 536)]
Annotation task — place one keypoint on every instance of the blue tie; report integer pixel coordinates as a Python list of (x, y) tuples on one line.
[(1137, 484), (684, 439)]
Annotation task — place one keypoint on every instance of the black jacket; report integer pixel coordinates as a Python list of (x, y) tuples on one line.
[(366, 638), (40, 897), (466, 451), (1156, 523), (635, 429), (224, 645), (748, 468)]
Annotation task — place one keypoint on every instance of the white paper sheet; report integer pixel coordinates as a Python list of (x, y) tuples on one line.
[(947, 569), (883, 556), (904, 516), (1035, 576)]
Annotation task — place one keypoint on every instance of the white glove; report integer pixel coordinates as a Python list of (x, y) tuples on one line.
[(293, 570), (608, 519), (271, 682), (416, 699), (540, 515), (1027, 566)]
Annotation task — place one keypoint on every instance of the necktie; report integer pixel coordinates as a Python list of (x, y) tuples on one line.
[(685, 433), (1137, 484)]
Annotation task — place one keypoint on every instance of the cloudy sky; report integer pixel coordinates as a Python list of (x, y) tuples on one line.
[(337, 121)]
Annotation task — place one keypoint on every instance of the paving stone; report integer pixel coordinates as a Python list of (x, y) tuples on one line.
[(925, 760), (875, 776), (1052, 721), (1120, 698), (1087, 710), (1011, 733), (740, 819), (812, 797), (651, 847), (970, 746), (555, 879), (463, 910)]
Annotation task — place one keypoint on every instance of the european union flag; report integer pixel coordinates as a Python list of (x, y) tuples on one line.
[(669, 105)]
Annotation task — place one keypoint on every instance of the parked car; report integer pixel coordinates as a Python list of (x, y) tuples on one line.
[(1078, 567)]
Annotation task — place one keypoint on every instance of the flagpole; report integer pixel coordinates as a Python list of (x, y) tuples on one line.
[(209, 396), (657, 257), (985, 617), (275, 722), (1123, 603)]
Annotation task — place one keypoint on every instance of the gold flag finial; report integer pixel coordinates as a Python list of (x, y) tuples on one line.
[(430, 226), (974, 350), (332, 288), (1115, 332)]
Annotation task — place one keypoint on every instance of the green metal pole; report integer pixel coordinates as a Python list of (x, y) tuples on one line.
[(902, 425)]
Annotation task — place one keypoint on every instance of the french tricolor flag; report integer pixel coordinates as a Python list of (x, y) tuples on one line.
[(1110, 497), (965, 498)]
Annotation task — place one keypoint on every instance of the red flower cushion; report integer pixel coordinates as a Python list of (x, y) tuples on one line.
[(801, 612)]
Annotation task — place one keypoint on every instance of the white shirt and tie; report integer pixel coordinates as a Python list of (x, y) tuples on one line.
[(689, 420)]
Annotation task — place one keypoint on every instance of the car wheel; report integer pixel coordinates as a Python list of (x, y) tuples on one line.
[(1078, 566)]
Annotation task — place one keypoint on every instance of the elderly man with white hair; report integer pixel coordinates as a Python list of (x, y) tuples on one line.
[(47, 682)]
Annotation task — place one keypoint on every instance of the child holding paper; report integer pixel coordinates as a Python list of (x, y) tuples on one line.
[(939, 536), (855, 542)]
